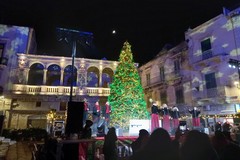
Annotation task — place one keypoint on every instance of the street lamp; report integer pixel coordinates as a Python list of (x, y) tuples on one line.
[(234, 63), (74, 110), (51, 117), (73, 36)]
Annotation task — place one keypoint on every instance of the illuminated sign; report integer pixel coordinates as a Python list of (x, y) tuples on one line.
[(136, 125)]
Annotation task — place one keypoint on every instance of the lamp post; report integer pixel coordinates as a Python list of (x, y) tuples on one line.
[(234, 63), (74, 110), (73, 36), (51, 117)]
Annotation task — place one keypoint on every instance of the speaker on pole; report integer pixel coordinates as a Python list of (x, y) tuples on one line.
[(74, 122)]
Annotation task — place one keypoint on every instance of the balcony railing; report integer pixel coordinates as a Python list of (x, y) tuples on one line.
[(59, 90), (211, 93), (207, 54)]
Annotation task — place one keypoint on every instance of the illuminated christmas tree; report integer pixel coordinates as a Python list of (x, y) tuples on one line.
[(126, 96)]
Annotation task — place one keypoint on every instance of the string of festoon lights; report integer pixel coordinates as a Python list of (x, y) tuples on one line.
[(209, 116)]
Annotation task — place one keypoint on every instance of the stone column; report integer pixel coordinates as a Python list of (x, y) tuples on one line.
[(44, 76), (77, 78), (100, 78), (86, 79), (26, 70), (61, 77)]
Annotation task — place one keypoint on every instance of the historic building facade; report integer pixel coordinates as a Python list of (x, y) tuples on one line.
[(197, 72), (166, 79), (211, 48), (37, 84)]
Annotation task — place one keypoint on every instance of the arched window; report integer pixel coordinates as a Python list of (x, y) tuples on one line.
[(93, 77), (53, 75), (67, 76), (35, 76), (107, 75)]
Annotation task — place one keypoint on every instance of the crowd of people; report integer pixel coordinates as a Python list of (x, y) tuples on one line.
[(157, 144), (192, 145)]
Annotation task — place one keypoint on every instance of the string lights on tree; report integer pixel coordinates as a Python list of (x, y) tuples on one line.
[(126, 93)]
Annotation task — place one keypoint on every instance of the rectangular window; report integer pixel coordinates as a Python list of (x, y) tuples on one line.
[(1, 51), (38, 104), (3, 60), (163, 97), (162, 75), (210, 81), (63, 106), (211, 85), (206, 45), (179, 95), (177, 66), (206, 48), (148, 78)]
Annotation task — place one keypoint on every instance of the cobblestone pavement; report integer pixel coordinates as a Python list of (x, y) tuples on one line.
[(19, 151)]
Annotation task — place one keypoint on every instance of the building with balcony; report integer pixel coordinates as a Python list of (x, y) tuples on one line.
[(210, 47), (196, 72), (38, 84), (167, 79)]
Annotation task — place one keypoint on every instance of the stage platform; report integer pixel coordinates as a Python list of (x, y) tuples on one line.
[(131, 138)]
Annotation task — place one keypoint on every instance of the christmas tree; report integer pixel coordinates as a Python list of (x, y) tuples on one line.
[(126, 93)]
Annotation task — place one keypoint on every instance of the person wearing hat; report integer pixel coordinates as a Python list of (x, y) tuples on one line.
[(154, 116), (195, 116), (166, 117), (175, 117)]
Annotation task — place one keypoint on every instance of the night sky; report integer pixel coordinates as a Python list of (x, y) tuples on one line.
[(147, 24)]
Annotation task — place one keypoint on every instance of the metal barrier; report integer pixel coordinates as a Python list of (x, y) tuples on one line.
[(61, 143)]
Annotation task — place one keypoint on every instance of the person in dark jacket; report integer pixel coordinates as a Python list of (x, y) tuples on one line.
[(197, 146), (159, 147), (154, 117), (165, 111), (218, 127), (87, 131), (225, 147), (195, 116), (175, 117), (141, 141), (110, 146)]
